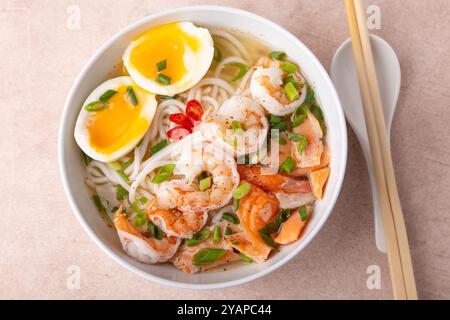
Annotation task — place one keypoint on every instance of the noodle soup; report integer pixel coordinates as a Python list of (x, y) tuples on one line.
[(204, 148)]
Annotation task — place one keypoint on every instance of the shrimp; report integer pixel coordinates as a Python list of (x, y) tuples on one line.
[(311, 155), (187, 196), (256, 209), (266, 87), (142, 248), (273, 182), (246, 123), (184, 257), (177, 223)]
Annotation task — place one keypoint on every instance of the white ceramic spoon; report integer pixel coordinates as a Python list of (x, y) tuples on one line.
[(345, 80)]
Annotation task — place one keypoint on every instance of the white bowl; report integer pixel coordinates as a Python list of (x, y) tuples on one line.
[(97, 70)]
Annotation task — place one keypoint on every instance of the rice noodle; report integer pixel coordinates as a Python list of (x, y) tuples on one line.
[(210, 91), (236, 43)]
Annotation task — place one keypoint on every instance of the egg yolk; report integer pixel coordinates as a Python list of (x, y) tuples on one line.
[(167, 42), (116, 126)]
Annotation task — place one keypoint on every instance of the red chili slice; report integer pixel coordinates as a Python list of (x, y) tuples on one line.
[(178, 133), (194, 110), (181, 119)]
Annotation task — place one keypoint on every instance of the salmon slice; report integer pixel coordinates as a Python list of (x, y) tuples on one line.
[(257, 251), (312, 153), (273, 182), (318, 180), (256, 209), (184, 257), (292, 228), (324, 161)]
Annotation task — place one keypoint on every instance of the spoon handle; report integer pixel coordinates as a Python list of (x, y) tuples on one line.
[(379, 230)]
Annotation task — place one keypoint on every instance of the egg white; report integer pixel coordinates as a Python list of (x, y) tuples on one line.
[(81, 132), (196, 63)]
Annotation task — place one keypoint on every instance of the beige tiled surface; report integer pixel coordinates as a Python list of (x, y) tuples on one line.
[(40, 237)]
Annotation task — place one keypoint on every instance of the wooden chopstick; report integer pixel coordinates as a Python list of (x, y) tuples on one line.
[(400, 265), (399, 222)]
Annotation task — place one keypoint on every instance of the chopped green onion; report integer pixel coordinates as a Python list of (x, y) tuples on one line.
[(281, 126), (273, 119), (96, 106), (163, 173), (294, 136), (236, 243), (154, 230), (132, 96), (309, 94), (114, 209), (136, 208), (245, 258), (235, 204), (302, 144), (161, 65), (288, 165), (207, 256), (267, 239), (191, 242), (140, 219), (163, 79), (237, 127), (282, 141), (318, 114), (126, 164), (243, 69), (158, 147), (228, 231), (291, 91), (271, 227), (303, 213), (242, 190), (123, 176), (202, 235), (288, 67), (299, 115), (107, 95), (121, 192), (162, 98), (205, 184), (86, 159), (216, 234), (202, 175), (98, 203), (114, 165), (197, 238), (283, 216), (217, 54), (143, 200), (230, 217), (292, 79), (277, 55)]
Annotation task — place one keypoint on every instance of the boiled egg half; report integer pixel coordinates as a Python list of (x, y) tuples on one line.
[(171, 58), (114, 118)]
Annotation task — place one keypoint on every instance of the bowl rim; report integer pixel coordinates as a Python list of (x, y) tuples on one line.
[(63, 127)]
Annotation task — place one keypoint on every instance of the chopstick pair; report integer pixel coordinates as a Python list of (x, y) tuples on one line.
[(400, 265)]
